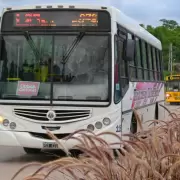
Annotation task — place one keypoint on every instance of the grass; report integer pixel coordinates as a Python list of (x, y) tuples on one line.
[(157, 157)]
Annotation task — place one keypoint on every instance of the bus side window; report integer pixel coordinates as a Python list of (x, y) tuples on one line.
[(150, 65), (132, 64), (138, 59), (158, 64), (144, 60), (154, 62)]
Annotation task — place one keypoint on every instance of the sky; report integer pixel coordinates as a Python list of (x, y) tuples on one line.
[(143, 11)]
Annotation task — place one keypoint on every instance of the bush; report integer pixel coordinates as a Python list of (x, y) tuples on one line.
[(155, 157)]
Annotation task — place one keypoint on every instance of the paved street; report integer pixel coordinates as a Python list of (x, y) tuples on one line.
[(11, 159)]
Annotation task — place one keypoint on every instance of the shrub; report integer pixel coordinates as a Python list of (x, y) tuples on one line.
[(155, 157)]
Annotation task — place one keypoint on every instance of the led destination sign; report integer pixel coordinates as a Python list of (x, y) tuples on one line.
[(60, 20), (173, 77), (72, 18)]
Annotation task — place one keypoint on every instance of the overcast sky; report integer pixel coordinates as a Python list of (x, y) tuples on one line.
[(144, 11)]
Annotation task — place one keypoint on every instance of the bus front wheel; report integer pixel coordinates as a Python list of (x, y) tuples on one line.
[(133, 127)]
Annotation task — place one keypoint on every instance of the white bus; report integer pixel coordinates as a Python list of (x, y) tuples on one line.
[(70, 67)]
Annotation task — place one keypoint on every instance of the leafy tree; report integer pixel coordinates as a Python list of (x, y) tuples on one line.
[(170, 24), (142, 25), (168, 32)]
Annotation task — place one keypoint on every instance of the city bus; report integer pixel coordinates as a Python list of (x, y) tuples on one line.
[(70, 67), (173, 89)]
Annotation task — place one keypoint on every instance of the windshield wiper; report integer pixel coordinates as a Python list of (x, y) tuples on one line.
[(71, 49), (31, 44), (73, 46)]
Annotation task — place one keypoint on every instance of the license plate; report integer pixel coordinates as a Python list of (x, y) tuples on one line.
[(49, 145)]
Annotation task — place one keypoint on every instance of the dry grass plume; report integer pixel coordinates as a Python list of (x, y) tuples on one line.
[(157, 157)]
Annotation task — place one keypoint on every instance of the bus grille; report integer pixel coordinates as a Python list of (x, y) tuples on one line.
[(46, 136), (61, 115)]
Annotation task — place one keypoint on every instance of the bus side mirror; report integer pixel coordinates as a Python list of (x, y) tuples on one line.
[(129, 50)]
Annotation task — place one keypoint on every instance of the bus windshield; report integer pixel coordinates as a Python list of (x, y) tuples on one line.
[(76, 68), (173, 86)]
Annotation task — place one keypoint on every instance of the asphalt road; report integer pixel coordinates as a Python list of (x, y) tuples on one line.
[(12, 159)]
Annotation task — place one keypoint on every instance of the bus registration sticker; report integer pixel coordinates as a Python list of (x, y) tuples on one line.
[(26, 88)]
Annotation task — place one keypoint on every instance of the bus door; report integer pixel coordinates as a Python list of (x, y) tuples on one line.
[(123, 74)]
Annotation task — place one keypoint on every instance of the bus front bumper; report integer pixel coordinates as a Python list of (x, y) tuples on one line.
[(26, 140), (173, 100)]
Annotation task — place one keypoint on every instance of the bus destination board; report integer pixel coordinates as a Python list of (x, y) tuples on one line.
[(29, 19), (56, 20)]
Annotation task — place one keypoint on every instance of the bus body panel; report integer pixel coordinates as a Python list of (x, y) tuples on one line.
[(32, 134), (141, 97)]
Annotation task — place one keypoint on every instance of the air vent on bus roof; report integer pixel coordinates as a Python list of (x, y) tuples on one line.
[(60, 6), (49, 7), (38, 7)]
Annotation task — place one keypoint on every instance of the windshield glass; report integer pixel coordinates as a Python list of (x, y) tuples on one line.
[(173, 86), (77, 66)]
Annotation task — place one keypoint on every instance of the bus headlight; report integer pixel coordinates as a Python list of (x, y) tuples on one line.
[(168, 95), (5, 122), (106, 121), (1, 119), (98, 125), (90, 127), (12, 125)]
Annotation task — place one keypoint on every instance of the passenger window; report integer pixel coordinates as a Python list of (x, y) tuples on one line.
[(150, 63), (158, 65), (138, 59), (154, 63), (132, 64), (144, 59)]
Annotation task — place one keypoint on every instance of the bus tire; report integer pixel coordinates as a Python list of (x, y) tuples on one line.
[(133, 126), (156, 112), (32, 150)]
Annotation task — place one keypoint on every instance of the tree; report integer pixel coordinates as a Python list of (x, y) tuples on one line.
[(168, 32), (142, 25), (170, 24)]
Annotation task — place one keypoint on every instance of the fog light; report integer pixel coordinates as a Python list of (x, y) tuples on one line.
[(98, 125), (90, 127), (12, 125), (106, 121), (5, 122)]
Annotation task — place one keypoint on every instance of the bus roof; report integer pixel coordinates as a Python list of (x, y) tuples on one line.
[(116, 15), (134, 27)]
